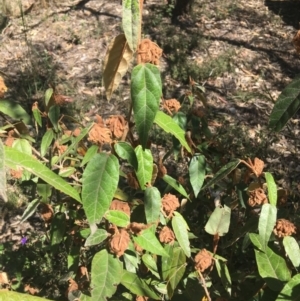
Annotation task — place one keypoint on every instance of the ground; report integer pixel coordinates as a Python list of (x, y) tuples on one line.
[(241, 52)]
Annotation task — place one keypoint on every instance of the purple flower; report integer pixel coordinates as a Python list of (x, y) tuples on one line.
[(24, 240)]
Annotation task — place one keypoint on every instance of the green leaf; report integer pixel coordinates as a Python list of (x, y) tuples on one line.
[(46, 141), (137, 285), (287, 104), (54, 115), (14, 296), (291, 291), (89, 154), (180, 229), (96, 238), (14, 158), (165, 122), (99, 183), (58, 228), (219, 221), (66, 172), (271, 266), (145, 166), (176, 185), (256, 240), (125, 151), (152, 203), (3, 195), (118, 218), (48, 95), (106, 274), (148, 241), (223, 273), (150, 263), (223, 172), (131, 21), (37, 117), (272, 189), (267, 221), (173, 268), (14, 110), (197, 173), (23, 146), (30, 210), (292, 250), (146, 91)]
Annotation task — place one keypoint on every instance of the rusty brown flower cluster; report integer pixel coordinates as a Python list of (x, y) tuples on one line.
[(166, 235), (120, 206), (115, 127), (119, 241), (296, 41), (148, 52), (169, 204), (284, 228), (172, 105), (203, 260), (257, 197)]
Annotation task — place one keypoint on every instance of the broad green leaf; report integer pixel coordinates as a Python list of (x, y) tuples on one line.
[(219, 221), (176, 185), (292, 250), (287, 104), (58, 228), (152, 203), (106, 274), (66, 172), (46, 141), (150, 263), (14, 110), (14, 296), (96, 238), (125, 151), (165, 122), (23, 146), (118, 218), (146, 91), (89, 154), (14, 158), (197, 173), (3, 195), (117, 60), (99, 183), (131, 21), (256, 240), (148, 241), (271, 266), (223, 172), (267, 221), (74, 144), (173, 267), (131, 258), (73, 258), (145, 166), (223, 273), (272, 189), (291, 291), (138, 286), (48, 95), (30, 210), (54, 116), (180, 229)]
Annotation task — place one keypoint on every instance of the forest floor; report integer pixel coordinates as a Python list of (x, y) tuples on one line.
[(240, 51)]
